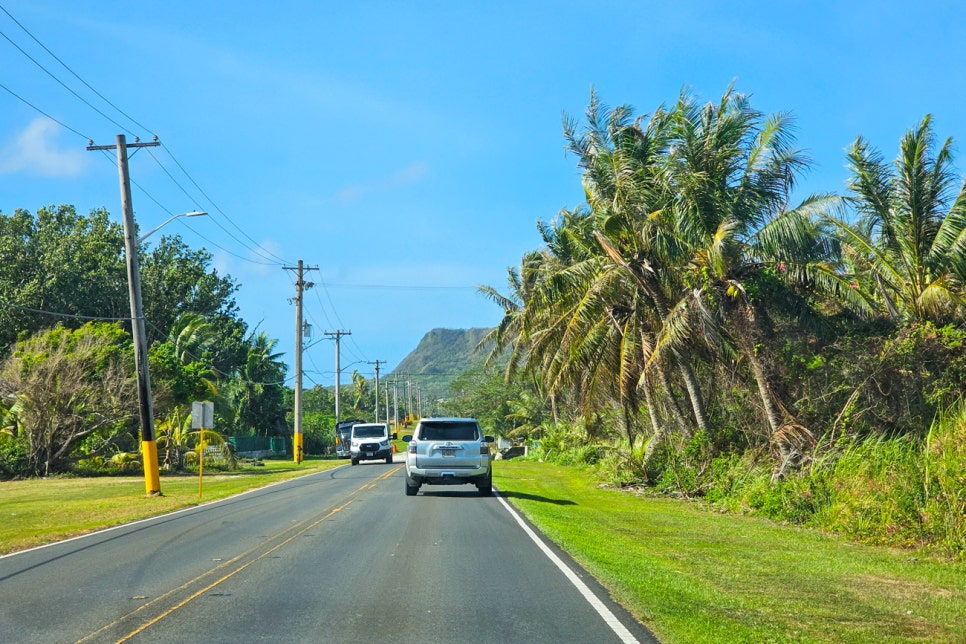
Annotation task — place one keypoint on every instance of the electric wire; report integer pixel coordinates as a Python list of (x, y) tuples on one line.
[(31, 105), (77, 76), (217, 208), (63, 84), (113, 160), (258, 250), (66, 315), (336, 314)]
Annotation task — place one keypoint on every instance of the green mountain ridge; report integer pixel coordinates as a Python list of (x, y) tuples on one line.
[(440, 357)]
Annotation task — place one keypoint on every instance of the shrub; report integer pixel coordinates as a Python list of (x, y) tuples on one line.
[(14, 457)]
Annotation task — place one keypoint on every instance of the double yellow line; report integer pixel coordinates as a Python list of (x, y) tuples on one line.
[(227, 569)]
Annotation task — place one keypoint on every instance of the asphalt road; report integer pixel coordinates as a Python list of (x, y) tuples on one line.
[(339, 556)]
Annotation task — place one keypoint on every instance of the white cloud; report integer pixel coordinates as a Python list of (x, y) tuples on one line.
[(35, 151), (407, 175)]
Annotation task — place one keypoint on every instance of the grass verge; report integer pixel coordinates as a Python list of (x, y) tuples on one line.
[(689, 574), (39, 511), (696, 576)]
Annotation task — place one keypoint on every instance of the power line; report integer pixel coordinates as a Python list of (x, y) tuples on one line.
[(62, 83), (403, 287), (258, 250), (66, 315), (31, 105), (160, 205), (338, 319), (54, 56), (221, 212)]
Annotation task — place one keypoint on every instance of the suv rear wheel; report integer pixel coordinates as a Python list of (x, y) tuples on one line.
[(411, 487), (486, 487)]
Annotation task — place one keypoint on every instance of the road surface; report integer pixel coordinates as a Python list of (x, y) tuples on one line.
[(338, 556)]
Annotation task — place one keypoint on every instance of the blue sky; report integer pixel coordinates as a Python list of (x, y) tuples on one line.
[(408, 149)]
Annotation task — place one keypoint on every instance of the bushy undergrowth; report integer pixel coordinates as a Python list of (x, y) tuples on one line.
[(14, 461), (903, 491), (567, 445)]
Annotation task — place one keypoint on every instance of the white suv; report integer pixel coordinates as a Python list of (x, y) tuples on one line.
[(448, 451), (370, 441)]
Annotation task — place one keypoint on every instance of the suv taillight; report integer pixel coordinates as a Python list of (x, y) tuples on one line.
[(412, 447), (484, 449)]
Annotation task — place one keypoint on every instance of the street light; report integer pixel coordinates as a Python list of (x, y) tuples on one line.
[(149, 446), (195, 213)]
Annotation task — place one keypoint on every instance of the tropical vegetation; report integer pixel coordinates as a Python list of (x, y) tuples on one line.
[(66, 379), (700, 327)]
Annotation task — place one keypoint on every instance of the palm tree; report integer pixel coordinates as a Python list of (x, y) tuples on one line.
[(625, 180), (908, 249), (732, 170), (254, 394), (190, 336)]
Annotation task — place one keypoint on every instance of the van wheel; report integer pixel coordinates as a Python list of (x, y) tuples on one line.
[(389, 460), (355, 461)]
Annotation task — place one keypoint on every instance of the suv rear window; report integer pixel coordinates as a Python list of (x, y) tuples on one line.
[(452, 431)]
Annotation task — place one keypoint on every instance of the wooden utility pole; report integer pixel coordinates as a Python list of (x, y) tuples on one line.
[(338, 371), (298, 444), (377, 363), (149, 446)]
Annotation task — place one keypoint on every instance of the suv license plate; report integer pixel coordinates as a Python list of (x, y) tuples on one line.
[(449, 451)]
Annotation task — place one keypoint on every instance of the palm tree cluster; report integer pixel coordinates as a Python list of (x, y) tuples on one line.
[(662, 297)]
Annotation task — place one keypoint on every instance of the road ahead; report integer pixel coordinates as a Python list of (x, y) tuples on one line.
[(339, 556)]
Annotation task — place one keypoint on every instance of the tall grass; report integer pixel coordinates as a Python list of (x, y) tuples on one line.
[(903, 491)]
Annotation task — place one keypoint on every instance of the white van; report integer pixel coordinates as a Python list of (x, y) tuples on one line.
[(370, 441)]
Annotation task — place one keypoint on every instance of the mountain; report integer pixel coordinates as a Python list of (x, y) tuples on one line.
[(441, 356)]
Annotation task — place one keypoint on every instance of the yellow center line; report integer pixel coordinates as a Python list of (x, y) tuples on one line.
[(229, 575), (230, 562)]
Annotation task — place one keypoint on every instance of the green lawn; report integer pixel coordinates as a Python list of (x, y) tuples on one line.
[(689, 574), (39, 511), (698, 576)]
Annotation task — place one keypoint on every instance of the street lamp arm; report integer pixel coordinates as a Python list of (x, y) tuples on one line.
[(196, 213)]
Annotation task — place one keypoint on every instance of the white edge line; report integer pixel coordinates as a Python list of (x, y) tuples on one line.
[(615, 624), (161, 516)]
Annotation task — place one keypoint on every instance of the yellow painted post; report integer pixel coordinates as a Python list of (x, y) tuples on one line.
[(201, 460), (152, 480)]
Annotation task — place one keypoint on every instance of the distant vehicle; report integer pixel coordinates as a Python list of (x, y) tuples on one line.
[(343, 435), (370, 441), (448, 451)]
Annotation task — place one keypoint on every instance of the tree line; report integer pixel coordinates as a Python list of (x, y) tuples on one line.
[(66, 379), (695, 315)]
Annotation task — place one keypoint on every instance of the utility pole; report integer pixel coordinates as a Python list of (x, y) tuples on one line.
[(387, 403), (338, 371), (377, 363), (300, 286), (409, 391), (395, 403), (149, 445)]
